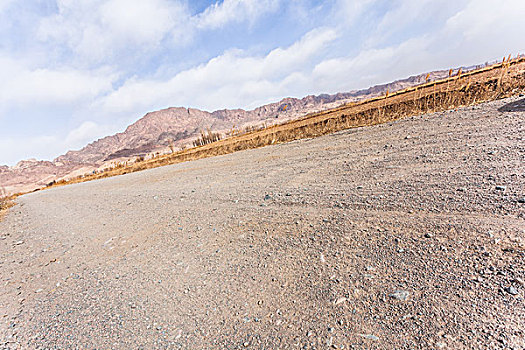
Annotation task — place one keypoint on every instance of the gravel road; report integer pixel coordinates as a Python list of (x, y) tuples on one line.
[(405, 235)]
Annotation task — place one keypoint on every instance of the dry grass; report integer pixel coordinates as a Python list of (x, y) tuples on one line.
[(460, 89), (5, 204)]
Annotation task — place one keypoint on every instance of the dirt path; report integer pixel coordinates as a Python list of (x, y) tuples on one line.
[(403, 235)]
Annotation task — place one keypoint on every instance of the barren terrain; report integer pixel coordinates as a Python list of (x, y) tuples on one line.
[(403, 235)]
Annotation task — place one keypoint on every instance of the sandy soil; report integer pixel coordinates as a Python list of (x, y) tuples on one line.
[(399, 236)]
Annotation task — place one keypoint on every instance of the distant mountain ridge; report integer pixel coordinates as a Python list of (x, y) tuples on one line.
[(178, 126)]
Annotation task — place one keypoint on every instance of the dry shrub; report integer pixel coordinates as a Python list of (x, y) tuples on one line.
[(5, 204), (207, 137)]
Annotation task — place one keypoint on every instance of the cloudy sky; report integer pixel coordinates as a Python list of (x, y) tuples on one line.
[(72, 71)]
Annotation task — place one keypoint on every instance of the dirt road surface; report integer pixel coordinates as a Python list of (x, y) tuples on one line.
[(405, 235)]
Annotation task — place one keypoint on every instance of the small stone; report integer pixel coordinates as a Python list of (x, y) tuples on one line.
[(429, 235), (400, 295), (18, 243), (267, 197), (246, 344), (369, 336), (441, 345), (501, 188), (511, 290), (521, 200), (519, 281), (339, 300)]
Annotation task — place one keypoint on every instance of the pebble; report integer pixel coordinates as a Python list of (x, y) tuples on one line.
[(519, 280), (400, 295), (339, 300), (521, 200), (501, 188), (369, 336), (511, 290), (267, 197), (429, 235)]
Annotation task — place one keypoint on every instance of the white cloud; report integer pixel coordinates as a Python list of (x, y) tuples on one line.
[(85, 133), (228, 11), (21, 84), (19, 148), (101, 30), (371, 67), (42, 147), (346, 11), (230, 80), (483, 30), (4, 4)]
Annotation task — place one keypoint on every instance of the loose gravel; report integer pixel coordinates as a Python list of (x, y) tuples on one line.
[(404, 235)]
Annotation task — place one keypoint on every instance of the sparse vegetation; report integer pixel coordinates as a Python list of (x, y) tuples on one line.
[(461, 89), (5, 204), (207, 137)]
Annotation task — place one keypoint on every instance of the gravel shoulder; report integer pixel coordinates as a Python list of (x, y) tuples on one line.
[(398, 236)]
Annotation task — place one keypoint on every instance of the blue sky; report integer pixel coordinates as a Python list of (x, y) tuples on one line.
[(72, 71)]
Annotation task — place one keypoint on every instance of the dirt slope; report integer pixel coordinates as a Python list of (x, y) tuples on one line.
[(398, 236)]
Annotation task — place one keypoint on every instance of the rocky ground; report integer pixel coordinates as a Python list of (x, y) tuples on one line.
[(405, 235)]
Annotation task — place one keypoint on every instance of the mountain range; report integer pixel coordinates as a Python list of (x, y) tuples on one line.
[(175, 128)]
